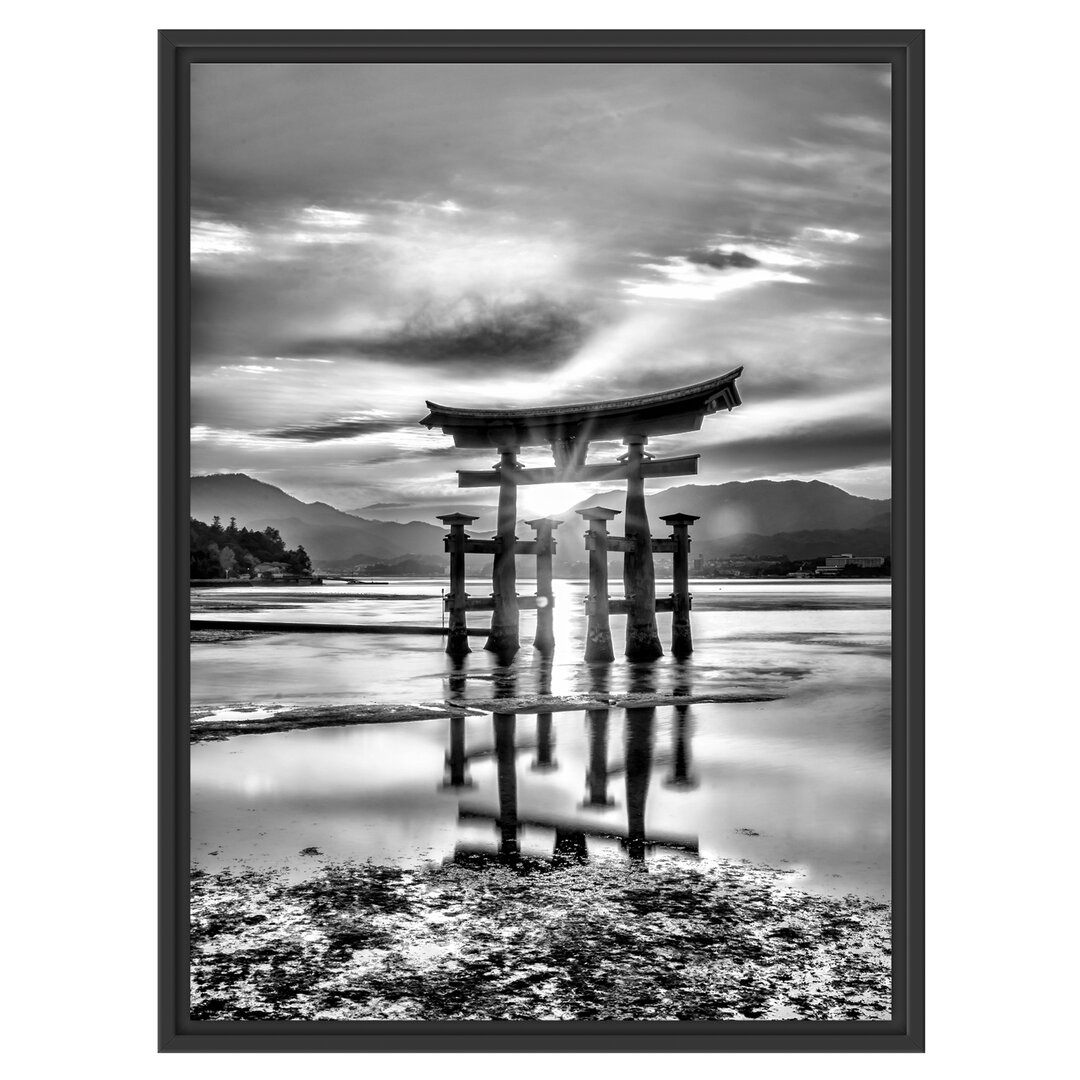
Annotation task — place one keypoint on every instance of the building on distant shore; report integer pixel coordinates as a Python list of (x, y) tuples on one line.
[(272, 571), (834, 564)]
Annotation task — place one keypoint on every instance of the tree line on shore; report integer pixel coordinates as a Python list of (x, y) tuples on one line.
[(220, 551)]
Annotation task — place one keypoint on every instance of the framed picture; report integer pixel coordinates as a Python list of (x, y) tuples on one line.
[(541, 541)]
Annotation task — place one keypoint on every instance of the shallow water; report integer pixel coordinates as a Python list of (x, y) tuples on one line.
[(800, 782), (743, 632)]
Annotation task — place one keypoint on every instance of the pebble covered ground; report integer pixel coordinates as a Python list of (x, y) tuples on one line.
[(606, 940)]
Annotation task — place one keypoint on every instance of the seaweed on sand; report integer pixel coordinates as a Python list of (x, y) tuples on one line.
[(604, 941)]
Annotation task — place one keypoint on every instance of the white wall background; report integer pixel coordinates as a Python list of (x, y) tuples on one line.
[(78, 945)]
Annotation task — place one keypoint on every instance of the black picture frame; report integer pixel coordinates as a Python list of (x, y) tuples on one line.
[(904, 50)]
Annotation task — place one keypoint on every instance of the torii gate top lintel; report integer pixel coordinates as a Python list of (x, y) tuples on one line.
[(668, 412), (568, 429)]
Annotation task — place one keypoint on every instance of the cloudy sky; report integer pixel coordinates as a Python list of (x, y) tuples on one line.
[(365, 237)]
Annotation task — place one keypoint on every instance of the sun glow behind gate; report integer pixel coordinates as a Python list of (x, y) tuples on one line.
[(547, 500)]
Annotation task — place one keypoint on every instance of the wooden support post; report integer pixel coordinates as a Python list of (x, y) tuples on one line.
[(544, 641), (456, 681), (682, 642), (639, 576), (682, 777), (596, 722), (596, 775), (506, 772), (503, 636), (638, 751), (545, 724), (457, 762), (571, 846), (598, 635), (457, 640), (545, 744)]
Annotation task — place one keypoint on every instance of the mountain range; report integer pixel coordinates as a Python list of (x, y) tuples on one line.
[(327, 534), (800, 519)]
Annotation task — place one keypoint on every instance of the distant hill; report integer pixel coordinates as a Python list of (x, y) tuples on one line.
[(758, 506), (799, 518), (425, 511), (326, 533), (806, 544), (402, 566)]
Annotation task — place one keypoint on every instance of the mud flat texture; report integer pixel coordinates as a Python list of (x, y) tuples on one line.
[(220, 722), (601, 941)]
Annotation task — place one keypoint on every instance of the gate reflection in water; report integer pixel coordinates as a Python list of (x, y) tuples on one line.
[(571, 830), (801, 782)]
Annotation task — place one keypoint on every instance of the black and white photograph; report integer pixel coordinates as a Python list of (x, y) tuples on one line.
[(541, 542), (543, 546)]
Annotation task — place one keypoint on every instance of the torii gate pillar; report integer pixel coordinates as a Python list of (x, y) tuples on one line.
[(639, 575), (598, 634), (457, 641), (544, 642), (503, 636), (682, 641)]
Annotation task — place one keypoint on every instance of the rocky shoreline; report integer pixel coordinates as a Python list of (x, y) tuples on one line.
[(604, 940)]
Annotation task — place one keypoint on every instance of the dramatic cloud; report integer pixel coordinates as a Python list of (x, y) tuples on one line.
[(722, 260), (531, 331), (347, 427), (365, 237)]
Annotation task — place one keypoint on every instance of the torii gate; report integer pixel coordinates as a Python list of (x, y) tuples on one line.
[(568, 430)]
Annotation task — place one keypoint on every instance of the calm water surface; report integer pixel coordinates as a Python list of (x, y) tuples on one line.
[(801, 782)]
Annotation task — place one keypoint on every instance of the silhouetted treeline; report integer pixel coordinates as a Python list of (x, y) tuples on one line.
[(219, 551)]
